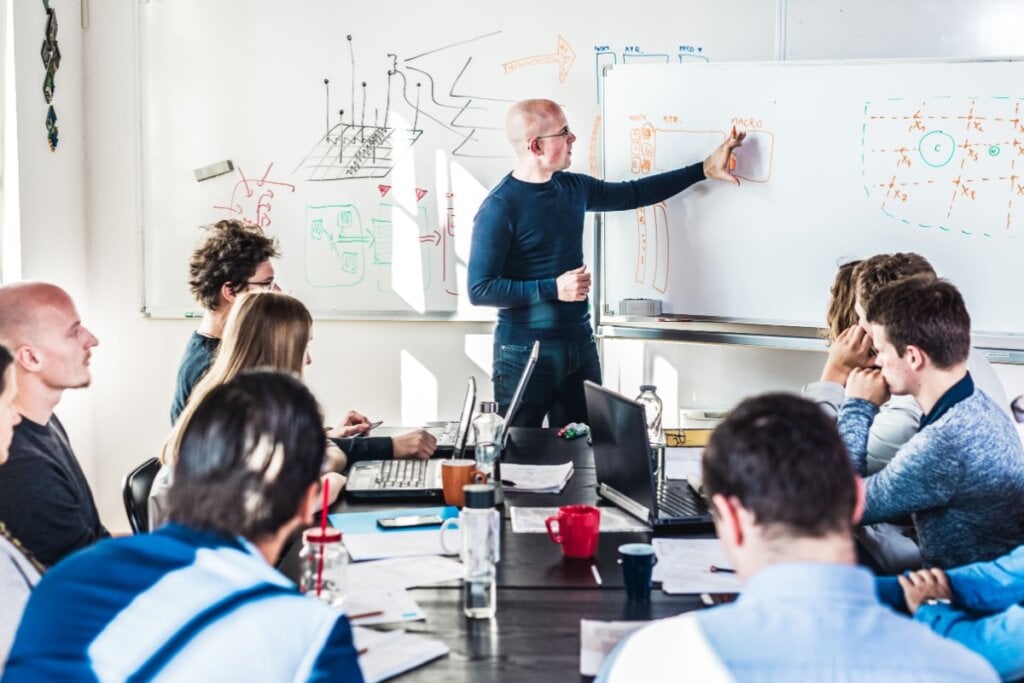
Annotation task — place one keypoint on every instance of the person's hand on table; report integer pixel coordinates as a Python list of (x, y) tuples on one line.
[(719, 164), (868, 384), (924, 584), (573, 285), (354, 424), (336, 482), (419, 444), (850, 350)]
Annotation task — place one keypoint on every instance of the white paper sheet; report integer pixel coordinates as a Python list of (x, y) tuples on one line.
[(375, 546), (400, 573), (535, 478), (684, 566), (683, 464), (389, 653), (369, 608), (530, 520), (599, 638)]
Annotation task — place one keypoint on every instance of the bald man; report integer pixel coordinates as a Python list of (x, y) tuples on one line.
[(527, 259), (45, 500)]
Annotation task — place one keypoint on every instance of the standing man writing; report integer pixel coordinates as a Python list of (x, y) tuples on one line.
[(527, 258)]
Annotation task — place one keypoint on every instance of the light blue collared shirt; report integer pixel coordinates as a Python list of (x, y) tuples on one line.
[(818, 622)]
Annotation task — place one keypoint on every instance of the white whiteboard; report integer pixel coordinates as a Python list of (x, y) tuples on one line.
[(373, 207), (843, 160)]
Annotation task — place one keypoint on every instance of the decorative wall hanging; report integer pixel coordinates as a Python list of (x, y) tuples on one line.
[(51, 61)]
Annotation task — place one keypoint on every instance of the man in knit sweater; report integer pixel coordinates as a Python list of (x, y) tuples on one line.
[(527, 258), (961, 477)]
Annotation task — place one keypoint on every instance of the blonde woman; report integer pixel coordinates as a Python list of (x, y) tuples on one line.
[(272, 330)]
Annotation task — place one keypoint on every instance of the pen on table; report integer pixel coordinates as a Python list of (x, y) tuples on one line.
[(506, 482), (362, 651), (724, 570), (365, 615), (597, 574)]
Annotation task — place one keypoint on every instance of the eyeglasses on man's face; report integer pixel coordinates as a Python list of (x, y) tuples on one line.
[(265, 285), (564, 133)]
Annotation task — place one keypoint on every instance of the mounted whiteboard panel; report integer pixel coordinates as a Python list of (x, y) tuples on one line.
[(374, 206), (842, 161)]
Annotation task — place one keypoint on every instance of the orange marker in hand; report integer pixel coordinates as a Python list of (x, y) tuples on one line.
[(732, 159)]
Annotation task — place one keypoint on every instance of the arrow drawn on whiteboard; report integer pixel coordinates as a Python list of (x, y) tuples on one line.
[(563, 55)]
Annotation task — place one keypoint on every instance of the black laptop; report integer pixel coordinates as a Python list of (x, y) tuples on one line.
[(625, 469)]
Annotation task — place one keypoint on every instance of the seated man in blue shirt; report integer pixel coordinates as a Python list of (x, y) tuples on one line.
[(980, 605), (785, 499), (198, 600), (961, 477)]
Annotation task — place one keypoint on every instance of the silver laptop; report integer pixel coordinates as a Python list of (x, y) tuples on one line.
[(517, 395), (449, 433), (625, 468), (413, 478)]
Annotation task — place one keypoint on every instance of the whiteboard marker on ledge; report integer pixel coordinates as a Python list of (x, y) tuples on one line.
[(648, 307), (214, 170)]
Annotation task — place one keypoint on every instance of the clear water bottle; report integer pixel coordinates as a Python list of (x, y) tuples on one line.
[(324, 561), (652, 410), (481, 551), (487, 428)]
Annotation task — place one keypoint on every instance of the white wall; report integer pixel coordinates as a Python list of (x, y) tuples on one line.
[(80, 229), (54, 235)]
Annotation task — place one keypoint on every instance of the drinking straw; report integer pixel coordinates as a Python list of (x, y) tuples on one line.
[(323, 535)]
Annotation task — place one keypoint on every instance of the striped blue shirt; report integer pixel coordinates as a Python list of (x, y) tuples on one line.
[(103, 613)]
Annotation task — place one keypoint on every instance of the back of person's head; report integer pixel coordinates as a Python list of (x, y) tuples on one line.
[(925, 312), (841, 313), (782, 458), (23, 312), (251, 450), (232, 252), (877, 272), (263, 330), (9, 416)]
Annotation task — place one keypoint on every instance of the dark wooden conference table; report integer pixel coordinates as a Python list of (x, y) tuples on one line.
[(535, 635)]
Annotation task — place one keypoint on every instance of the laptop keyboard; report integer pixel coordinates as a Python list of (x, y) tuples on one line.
[(672, 503), (403, 474)]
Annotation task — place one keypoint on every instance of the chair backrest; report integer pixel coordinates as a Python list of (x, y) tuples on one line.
[(135, 490)]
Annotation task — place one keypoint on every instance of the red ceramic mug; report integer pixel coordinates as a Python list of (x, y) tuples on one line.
[(576, 529)]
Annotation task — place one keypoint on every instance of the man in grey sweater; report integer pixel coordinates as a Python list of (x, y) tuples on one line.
[(961, 477)]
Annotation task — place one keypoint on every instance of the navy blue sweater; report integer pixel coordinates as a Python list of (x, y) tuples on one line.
[(527, 234)]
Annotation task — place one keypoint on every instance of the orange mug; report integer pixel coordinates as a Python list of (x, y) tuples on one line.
[(456, 473)]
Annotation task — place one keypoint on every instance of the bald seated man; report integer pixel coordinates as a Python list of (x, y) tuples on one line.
[(527, 259), (45, 500)]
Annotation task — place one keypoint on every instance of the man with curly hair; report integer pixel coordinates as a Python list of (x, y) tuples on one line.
[(238, 257), (235, 258)]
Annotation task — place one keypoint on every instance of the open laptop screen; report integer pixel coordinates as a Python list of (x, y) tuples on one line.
[(465, 419), (517, 395), (618, 430)]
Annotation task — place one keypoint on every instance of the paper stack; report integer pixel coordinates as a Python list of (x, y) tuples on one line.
[(385, 654), (535, 478)]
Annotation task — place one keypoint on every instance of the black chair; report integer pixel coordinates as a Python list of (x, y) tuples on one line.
[(135, 490)]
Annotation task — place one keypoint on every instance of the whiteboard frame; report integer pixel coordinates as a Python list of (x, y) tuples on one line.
[(998, 348)]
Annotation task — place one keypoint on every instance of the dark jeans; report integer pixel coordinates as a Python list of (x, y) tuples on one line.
[(556, 387)]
